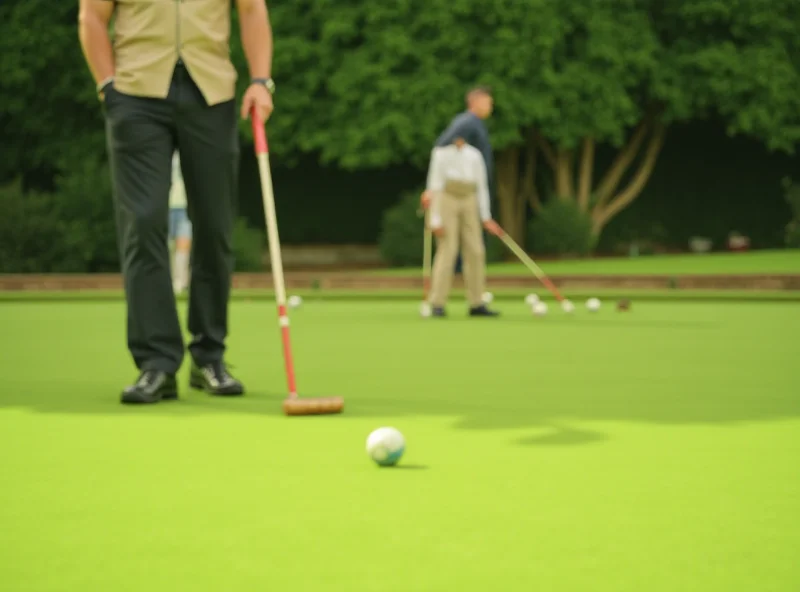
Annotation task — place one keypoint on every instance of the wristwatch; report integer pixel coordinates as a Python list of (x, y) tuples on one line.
[(267, 82)]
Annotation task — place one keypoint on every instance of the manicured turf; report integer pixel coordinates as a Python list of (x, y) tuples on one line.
[(505, 294), (651, 450), (756, 262)]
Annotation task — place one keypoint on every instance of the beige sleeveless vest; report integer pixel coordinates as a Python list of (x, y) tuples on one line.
[(150, 35)]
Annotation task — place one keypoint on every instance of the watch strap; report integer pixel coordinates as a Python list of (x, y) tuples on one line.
[(266, 82)]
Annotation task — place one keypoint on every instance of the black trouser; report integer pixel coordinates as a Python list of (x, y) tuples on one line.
[(142, 134)]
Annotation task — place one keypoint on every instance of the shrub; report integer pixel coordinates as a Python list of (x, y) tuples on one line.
[(31, 235), (248, 247), (792, 235), (560, 228), (71, 230), (401, 236), (86, 205)]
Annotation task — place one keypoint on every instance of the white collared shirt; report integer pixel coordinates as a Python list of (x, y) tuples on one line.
[(459, 164)]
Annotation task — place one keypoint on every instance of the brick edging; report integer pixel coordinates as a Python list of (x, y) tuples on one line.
[(361, 281)]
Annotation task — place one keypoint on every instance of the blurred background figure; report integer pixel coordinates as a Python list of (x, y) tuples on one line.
[(470, 126), (457, 180), (180, 229)]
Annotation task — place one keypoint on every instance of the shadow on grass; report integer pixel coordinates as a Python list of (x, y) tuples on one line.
[(563, 436), (402, 467), (525, 374)]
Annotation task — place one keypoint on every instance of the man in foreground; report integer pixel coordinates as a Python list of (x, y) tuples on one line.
[(460, 207), (168, 83)]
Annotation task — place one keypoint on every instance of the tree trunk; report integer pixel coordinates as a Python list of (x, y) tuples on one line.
[(586, 174), (530, 193), (602, 215), (565, 188), (608, 185), (512, 217)]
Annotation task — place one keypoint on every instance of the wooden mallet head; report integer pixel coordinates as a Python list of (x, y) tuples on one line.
[(314, 406)]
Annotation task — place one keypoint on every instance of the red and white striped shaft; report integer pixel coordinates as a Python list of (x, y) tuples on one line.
[(267, 194)]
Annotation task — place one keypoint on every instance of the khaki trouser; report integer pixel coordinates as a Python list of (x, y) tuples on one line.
[(458, 207)]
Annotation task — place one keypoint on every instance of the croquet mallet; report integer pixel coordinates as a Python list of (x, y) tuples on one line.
[(292, 405), (530, 264)]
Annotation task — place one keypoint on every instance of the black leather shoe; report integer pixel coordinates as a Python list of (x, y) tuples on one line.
[(214, 378), (151, 387), (438, 311), (482, 311)]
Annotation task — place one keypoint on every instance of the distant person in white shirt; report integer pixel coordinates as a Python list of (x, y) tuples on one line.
[(458, 184), (180, 229)]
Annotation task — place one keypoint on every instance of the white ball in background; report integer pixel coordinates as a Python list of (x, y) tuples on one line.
[(294, 301), (425, 310), (487, 297), (568, 307), (593, 304), (385, 446), (539, 309), (531, 299)]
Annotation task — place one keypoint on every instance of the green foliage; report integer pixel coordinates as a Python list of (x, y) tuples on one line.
[(401, 241), (792, 194), (70, 230), (51, 117), (496, 251), (248, 247), (30, 236), (561, 229), (367, 85), (372, 84), (86, 205), (736, 59), (792, 236)]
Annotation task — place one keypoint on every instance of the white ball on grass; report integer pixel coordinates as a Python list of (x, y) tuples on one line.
[(386, 446), (531, 299), (294, 301), (539, 309), (593, 304), (567, 307), (425, 310), (487, 297)]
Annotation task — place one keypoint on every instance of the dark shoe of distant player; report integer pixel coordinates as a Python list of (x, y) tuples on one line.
[(438, 311), (215, 379), (151, 387), (482, 311)]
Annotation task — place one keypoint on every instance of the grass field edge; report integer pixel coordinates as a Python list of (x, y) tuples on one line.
[(414, 295)]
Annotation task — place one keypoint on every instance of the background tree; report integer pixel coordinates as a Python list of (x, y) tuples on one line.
[(377, 82), (588, 91), (50, 118)]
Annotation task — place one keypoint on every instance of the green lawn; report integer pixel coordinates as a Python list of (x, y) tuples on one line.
[(755, 262), (652, 450), (505, 294)]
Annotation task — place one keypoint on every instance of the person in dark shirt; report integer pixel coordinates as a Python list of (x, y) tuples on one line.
[(470, 126)]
